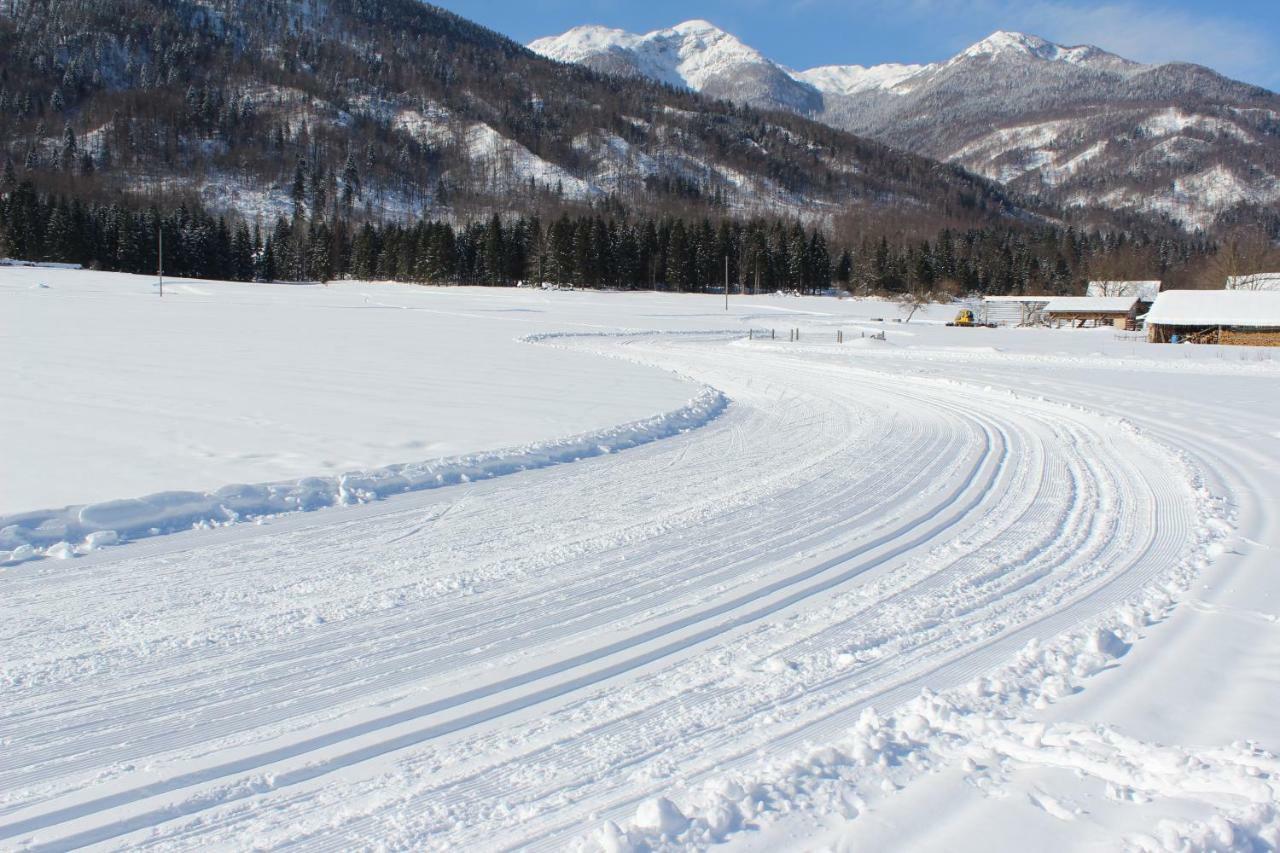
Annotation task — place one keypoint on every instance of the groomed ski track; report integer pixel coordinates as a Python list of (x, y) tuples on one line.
[(510, 662)]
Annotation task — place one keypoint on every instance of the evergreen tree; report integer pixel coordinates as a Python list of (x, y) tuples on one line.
[(350, 184), (68, 154), (298, 189)]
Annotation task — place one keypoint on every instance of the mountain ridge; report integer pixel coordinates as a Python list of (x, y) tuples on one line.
[(1076, 124), (393, 109)]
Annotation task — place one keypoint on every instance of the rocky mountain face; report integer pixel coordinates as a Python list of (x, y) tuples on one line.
[(389, 109), (1076, 125)]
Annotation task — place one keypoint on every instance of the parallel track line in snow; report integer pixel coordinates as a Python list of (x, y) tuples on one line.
[(548, 669), (895, 544)]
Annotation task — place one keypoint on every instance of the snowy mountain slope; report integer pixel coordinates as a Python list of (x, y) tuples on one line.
[(1077, 124), (516, 663), (391, 109), (854, 79)]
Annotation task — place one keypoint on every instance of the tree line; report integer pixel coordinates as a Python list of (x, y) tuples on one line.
[(583, 248)]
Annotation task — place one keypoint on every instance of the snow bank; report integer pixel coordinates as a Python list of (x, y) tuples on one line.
[(29, 535), (48, 265), (161, 395)]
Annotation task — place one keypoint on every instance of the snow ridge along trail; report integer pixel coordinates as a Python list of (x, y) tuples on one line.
[(45, 532), (512, 662)]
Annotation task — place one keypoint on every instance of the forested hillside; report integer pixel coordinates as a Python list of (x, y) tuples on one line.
[(320, 138), (388, 108), (587, 250)]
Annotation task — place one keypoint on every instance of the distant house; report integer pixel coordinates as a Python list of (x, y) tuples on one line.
[(1247, 317), (1144, 291), (1014, 310), (1254, 281), (1080, 311)]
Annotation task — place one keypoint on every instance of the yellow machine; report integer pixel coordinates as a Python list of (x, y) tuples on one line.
[(964, 318)]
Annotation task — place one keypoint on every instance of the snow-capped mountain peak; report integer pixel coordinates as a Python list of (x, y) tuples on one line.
[(1007, 43), (1049, 119), (1004, 44), (695, 55), (698, 27), (686, 55), (582, 42)]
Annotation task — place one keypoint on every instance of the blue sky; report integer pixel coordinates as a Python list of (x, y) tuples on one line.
[(1240, 38)]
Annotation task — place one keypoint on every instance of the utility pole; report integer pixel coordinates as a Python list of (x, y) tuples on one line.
[(160, 255), (726, 282)]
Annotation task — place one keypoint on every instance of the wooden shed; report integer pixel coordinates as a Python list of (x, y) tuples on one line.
[(1014, 310), (1241, 317), (1080, 312)]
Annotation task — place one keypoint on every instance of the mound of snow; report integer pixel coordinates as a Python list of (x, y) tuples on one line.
[(662, 816)]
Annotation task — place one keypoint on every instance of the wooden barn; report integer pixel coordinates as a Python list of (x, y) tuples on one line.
[(1080, 312), (1240, 317)]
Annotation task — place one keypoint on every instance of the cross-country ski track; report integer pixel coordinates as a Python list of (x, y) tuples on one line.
[(513, 662)]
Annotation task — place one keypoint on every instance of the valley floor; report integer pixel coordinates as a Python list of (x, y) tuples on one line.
[(954, 588)]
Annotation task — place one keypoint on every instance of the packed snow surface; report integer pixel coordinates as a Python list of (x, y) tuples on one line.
[(931, 588)]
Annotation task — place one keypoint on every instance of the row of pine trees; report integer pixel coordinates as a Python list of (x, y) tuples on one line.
[(584, 249)]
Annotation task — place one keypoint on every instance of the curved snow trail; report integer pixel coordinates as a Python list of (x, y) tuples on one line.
[(507, 663)]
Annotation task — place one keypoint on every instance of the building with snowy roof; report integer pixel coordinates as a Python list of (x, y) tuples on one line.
[(1246, 317), (1014, 310), (1143, 291), (1255, 281), (1081, 311)]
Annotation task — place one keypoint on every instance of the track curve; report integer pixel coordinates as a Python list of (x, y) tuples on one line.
[(507, 662)]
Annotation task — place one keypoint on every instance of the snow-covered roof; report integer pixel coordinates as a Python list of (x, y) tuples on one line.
[(1040, 298), (1147, 291), (1253, 308), (1091, 305), (1255, 281)]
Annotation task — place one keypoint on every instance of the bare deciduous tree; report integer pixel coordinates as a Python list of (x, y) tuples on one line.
[(1243, 261), (912, 301)]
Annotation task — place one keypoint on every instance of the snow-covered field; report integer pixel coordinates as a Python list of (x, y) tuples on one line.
[(613, 575), (118, 393)]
